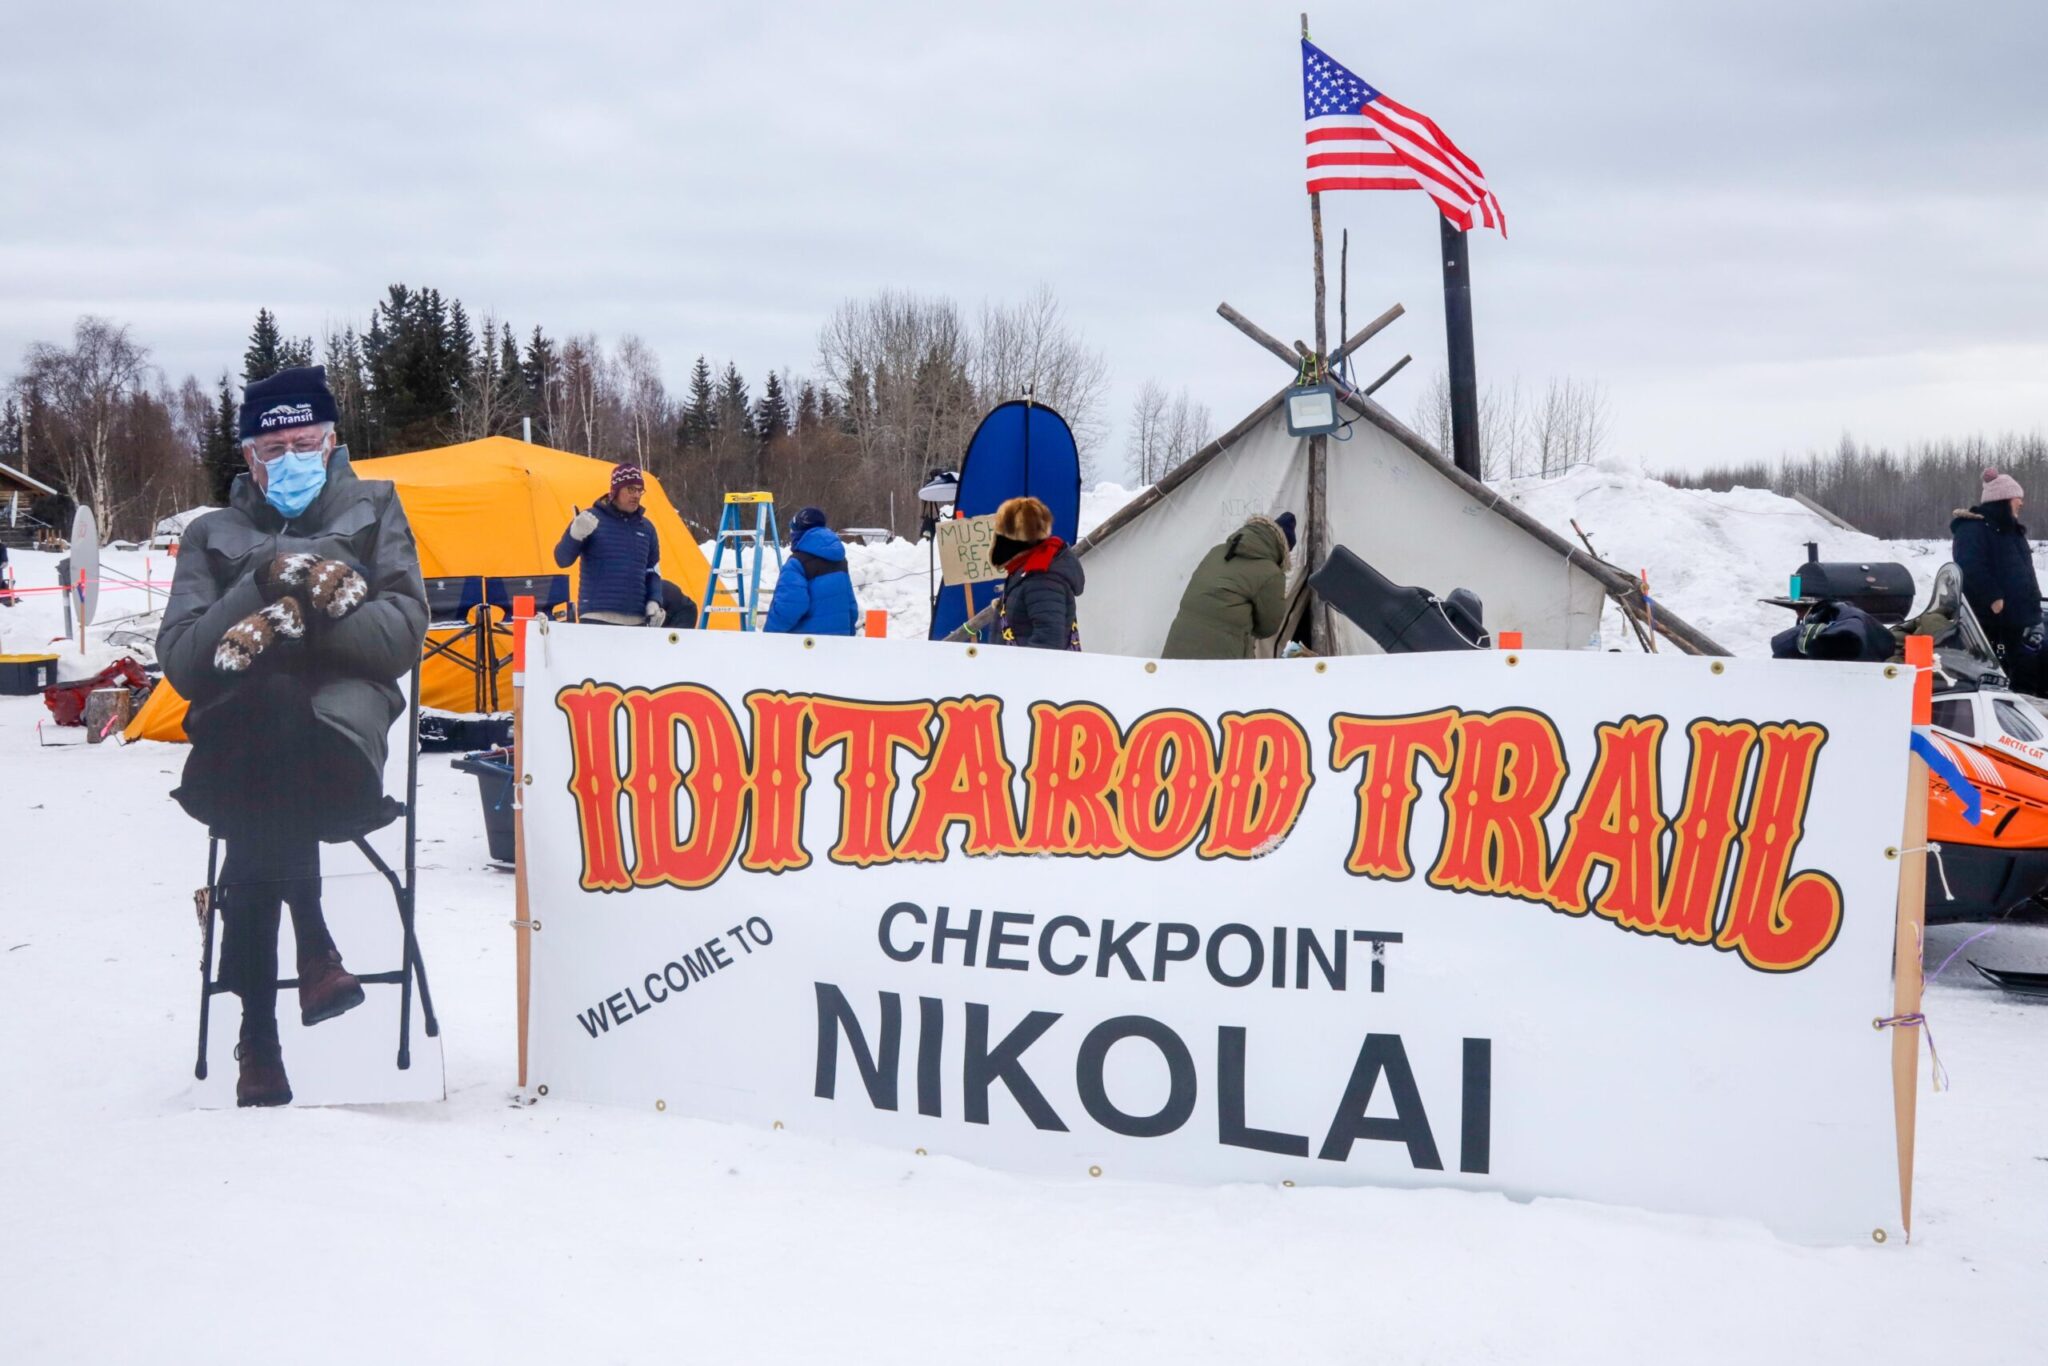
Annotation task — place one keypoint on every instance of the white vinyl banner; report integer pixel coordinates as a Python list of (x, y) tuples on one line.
[(1554, 924)]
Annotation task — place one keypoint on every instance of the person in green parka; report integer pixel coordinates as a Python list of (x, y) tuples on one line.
[(1238, 594)]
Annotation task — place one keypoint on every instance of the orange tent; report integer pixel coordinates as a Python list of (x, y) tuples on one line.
[(494, 508)]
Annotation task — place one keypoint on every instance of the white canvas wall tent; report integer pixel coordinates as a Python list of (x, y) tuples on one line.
[(1393, 500)]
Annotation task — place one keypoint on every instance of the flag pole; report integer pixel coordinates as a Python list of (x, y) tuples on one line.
[(1465, 452), (1317, 545)]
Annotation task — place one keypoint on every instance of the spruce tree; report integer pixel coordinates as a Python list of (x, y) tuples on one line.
[(700, 412), (538, 370), (771, 414), (223, 446), (512, 397), (459, 352), (266, 353), (735, 410), (10, 434)]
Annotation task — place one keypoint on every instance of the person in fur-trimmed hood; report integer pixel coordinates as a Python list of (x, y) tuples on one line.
[(1036, 605), (1990, 547), (1238, 594)]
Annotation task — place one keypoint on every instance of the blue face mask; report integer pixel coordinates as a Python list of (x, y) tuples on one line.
[(292, 482)]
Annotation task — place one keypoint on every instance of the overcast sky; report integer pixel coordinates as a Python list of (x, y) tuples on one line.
[(1756, 224)]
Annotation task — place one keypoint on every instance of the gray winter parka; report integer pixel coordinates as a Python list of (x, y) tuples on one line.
[(346, 668)]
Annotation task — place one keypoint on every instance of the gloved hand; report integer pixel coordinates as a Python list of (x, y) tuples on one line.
[(287, 575), (2031, 637), (584, 522), (656, 613), (335, 590), (241, 643)]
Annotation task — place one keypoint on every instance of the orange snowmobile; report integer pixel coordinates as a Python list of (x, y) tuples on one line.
[(1998, 739)]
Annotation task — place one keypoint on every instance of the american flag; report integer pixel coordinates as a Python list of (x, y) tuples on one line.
[(1358, 139)]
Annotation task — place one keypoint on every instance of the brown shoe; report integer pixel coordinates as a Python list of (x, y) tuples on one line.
[(262, 1080), (326, 989)]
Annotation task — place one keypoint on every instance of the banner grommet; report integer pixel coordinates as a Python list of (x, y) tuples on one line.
[(778, 1124), (921, 1152), (1878, 1235), (1150, 667), (1322, 666), (1717, 667), (660, 1107), (1095, 1171), (1513, 660), (541, 1089)]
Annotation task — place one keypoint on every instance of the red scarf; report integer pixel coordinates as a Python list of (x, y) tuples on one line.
[(1038, 559)]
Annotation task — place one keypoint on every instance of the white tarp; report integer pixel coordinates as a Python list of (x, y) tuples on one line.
[(1386, 503), (1286, 988)]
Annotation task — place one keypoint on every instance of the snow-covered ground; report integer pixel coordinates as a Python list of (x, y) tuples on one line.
[(136, 1228)]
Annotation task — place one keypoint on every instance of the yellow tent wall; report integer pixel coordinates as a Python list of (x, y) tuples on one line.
[(493, 507)]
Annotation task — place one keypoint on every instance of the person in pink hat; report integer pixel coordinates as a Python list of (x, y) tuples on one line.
[(1991, 548)]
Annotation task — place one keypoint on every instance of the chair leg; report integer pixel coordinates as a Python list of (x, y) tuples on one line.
[(412, 966), (212, 895)]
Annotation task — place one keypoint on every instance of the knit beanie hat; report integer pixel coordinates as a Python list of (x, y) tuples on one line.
[(1999, 487), (805, 520), (627, 473), (1285, 521), (298, 397)]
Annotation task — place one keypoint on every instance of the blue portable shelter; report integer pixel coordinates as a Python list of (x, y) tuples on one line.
[(1020, 448)]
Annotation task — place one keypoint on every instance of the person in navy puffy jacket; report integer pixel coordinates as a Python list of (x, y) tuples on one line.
[(621, 556), (814, 596)]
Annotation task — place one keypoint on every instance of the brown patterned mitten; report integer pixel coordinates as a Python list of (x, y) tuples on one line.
[(252, 635), (287, 576), (335, 590)]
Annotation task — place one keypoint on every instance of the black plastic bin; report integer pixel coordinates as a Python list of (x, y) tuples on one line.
[(493, 770)]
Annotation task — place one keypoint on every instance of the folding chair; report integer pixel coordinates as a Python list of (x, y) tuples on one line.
[(457, 604), (403, 889), (550, 594)]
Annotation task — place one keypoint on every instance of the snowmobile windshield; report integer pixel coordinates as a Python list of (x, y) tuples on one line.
[(1963, 633), (2020, 719)]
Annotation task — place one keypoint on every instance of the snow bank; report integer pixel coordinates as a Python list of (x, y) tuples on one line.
[(1710, 556), (127, 620)]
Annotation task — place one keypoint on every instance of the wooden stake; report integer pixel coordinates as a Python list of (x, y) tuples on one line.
[(1391, 371), (522, 620), (1906, 964)]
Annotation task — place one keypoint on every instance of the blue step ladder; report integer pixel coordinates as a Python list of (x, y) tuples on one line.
[(741, 581)]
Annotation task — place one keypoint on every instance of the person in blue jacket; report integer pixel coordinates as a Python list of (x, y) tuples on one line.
[(814, 596), (621, 556)]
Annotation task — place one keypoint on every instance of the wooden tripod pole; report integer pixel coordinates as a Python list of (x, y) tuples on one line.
[(1317, 544)]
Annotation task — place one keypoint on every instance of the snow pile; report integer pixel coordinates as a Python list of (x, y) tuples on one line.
[(127, 620), (1710, 557)]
